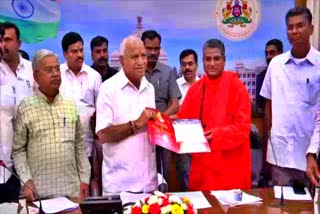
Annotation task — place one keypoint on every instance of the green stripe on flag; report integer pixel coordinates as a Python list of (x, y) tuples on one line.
[(34, 32)]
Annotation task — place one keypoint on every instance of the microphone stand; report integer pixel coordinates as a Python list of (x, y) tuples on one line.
[(281, 186), (163, 186), (34, 194)]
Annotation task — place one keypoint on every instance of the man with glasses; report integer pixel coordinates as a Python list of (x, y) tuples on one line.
[(48, 151)]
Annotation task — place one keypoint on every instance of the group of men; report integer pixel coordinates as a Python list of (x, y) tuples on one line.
[(68, 128)]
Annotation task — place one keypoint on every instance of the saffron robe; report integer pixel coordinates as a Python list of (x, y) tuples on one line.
[(226, 110)]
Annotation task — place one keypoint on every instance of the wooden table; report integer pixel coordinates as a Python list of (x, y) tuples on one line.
[(292, 207)]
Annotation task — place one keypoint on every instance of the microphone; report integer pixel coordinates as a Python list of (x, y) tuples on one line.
[(34, 193), (275, 159)]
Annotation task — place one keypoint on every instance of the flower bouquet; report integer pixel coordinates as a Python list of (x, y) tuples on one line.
[(160, 203)]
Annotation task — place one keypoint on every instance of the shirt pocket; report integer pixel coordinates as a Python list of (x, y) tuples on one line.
[(68, 128), (161, 90), (7, 95), (309, 93)]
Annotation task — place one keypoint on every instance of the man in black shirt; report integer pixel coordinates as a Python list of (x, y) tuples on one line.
[(274, 47), (100, 57)]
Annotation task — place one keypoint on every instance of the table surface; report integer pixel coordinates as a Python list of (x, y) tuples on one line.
[(269, 205)]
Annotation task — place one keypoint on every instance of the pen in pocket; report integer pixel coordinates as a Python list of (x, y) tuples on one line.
[(307, 81), (64, 121), (14, 95)]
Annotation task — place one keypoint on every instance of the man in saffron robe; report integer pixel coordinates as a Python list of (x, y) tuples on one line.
[(221, 101)]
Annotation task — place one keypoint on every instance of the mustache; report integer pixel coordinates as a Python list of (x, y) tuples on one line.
[(152, 56), (102, 59)]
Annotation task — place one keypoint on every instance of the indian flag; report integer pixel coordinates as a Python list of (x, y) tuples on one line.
[(37, 19)]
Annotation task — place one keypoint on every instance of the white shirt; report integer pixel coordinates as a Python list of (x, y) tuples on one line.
[(13, 89), (128, 165), (83, 89), (315, 139), (294, 90), (184, 87)]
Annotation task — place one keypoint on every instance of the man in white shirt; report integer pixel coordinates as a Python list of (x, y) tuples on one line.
[(188, 67), (16, 83), (291, 89), (81, 83), (129, 158)]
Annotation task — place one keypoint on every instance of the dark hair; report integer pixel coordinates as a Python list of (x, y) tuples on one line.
[(214, 43), (150, 34), (69, 39), (1, 29), (24, 54), (188, 52), (8, 25), (277, 43), (297, 11), (98, 41)]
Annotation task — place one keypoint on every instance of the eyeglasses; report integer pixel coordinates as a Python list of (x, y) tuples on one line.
[(50, 70)]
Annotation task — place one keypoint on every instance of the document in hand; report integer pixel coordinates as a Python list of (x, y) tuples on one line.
[(56, 205), (180, 136)]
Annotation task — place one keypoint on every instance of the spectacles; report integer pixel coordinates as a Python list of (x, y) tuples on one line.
[(50, 70)]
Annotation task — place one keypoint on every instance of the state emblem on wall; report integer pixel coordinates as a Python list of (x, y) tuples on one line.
[(237, 19)]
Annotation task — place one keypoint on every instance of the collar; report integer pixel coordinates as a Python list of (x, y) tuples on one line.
[(124, 81), (44, 97), (20, 65), (313, 56), (156, 68), (82, 70), (182, 80), (94, 66)]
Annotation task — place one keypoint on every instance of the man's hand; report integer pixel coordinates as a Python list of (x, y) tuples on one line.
[(208, 135), (145, 116), (313, 170), (27, 192), (84, 190), (173, 117)]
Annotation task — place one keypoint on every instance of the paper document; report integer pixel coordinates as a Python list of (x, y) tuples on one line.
[(197, 198), (180, 136), (14, 206), (288, 194), (227, 197), (56, 205), (190, 134)]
